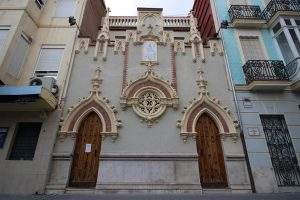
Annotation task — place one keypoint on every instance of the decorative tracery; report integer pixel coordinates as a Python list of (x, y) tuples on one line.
[(149, 97)]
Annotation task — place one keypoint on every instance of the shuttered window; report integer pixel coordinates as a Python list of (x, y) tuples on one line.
[(65, 8), (49, 61), (19, 56), (238, 2), (252, 48), (3, 36), (25, 141)]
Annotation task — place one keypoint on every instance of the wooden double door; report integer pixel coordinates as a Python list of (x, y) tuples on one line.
[(85, 163), (210, 154)]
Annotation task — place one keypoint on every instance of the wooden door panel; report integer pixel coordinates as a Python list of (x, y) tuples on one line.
[(210, 154), (85, 164)]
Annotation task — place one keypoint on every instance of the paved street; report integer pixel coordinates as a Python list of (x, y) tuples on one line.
[(281, 196)]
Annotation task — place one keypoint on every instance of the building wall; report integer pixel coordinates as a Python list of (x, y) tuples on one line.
[(154, 158), (231, 42), (27, 176), (23, 16), (286, 104), (264, 102)]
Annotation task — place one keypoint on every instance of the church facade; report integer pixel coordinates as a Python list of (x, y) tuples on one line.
[(149, 108)]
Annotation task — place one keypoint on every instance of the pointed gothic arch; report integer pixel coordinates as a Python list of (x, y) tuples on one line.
[(94, 103), (220, 115)]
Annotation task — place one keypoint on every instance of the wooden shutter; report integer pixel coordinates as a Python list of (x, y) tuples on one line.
[(49, 61), (19, 57), (65, 8), (252, 48)]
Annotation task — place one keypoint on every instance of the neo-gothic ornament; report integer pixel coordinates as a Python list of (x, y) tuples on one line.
[(204, 103), (103, 38), (149, 96), (94, 103), (195, 39)]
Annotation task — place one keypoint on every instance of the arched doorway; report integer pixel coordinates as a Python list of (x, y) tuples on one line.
[(85, 164), (210, 155)]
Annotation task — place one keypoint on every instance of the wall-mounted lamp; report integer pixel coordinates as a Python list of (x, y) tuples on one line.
[(72, 22), (224, 25)]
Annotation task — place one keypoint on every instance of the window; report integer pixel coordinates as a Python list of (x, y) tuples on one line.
[(40, 3), (25, 141), (282, 152), (49, 61), (3, 134), (65, 8), (287, 35), (252, 48), (19, 56), (3, 35)]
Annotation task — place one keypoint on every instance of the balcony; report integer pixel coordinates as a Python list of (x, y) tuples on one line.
[(130, 22), (246, 16), (280, 7), (26, 98), (293, 70), (266, 75)]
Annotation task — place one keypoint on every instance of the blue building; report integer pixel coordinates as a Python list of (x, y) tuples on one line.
[(261, 40)]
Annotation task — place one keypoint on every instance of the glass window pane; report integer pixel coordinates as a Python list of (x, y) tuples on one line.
[(284, 47), (276, 28), (288, 22), (295, 39), (297, 22)]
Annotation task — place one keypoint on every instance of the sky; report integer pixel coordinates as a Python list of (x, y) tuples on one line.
[(128, 7)]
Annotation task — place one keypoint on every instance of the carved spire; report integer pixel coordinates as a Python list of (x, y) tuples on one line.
[(96, 81), (103, 38), (195, 39)]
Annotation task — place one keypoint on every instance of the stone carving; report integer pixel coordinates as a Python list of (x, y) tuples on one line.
[(119, 45), (103, 38), (205, 103), (179, 46), (94, 103), (215, 47), (195, 39), (149, 96), (82, 44)]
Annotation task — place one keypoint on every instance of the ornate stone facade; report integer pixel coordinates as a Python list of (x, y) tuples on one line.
[(161, 67)]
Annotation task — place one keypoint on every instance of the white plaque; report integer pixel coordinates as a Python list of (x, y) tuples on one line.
[(150, 51), (88, 148)]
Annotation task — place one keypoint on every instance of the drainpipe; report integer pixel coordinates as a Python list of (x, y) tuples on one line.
[(242, 136), (229, 78)]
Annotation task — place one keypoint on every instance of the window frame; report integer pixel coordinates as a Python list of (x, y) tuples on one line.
[(285, 29), (7, 28), (28, 40), (6, 133), (13, 140), (50, 46)]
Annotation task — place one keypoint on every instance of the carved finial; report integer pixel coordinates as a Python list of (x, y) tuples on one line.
[(96, 80)]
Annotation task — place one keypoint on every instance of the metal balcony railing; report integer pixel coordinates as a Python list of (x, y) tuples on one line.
[(265, 70), (244, 12), (275, 6)]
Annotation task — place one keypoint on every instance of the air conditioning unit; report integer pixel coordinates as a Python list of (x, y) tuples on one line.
[(47, 82)]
